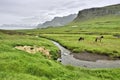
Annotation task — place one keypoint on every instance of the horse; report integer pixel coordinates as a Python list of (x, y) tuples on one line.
[(98, 38), (81, 38)]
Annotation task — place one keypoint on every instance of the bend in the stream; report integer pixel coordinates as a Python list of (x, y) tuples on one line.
[(68, 59)]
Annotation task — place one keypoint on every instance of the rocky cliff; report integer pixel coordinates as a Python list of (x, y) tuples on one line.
[(98, 12)]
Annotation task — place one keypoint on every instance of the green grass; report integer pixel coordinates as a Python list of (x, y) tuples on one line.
[(109, 45), (19, 65)]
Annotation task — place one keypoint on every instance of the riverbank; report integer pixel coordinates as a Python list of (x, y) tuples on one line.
[(68, 58)]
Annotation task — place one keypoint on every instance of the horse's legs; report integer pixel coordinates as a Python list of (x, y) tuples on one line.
[(96, 40), (100, 39)]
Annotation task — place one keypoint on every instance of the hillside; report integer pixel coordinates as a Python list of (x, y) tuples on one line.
[(58, 21), (98, 12), (103, 20)]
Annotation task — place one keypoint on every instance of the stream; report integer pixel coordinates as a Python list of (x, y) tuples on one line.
[(68, 59)]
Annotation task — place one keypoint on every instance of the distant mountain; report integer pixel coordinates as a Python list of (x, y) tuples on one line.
[(97, 12), (16, 26), (58, 21)]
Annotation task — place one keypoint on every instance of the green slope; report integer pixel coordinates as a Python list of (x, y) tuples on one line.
[(106, 24)]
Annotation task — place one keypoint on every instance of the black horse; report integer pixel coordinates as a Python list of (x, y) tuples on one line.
[(81, 38), (98, 38)]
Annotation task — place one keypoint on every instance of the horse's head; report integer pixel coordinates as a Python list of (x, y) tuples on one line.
[(81, 38)]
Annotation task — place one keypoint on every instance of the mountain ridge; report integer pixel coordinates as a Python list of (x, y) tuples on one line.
[(97, 12), (58, 21)]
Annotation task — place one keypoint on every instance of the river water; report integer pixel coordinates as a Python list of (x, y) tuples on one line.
[(68, 59)]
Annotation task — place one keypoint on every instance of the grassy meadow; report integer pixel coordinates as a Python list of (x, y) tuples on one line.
[(108, 46), (20, 65)]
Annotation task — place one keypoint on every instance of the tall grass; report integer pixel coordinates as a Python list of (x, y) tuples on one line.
[(19, 65)]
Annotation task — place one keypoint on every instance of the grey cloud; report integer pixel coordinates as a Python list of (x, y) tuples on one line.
[(38, 11)]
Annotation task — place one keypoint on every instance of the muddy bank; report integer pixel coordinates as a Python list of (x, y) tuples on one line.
[(90, 56)]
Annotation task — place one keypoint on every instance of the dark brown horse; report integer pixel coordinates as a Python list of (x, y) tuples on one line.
[(81, 38), (98, 38)]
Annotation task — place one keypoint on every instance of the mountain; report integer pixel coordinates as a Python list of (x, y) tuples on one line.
[(97, 12), (58, 21), (103, 20)]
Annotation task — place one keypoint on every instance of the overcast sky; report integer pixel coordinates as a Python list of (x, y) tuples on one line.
[(38, 11)]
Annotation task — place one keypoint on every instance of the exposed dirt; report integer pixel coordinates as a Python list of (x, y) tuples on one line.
[(90, 56), (34, 49)]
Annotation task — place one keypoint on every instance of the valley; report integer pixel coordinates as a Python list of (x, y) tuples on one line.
[(33, 54)]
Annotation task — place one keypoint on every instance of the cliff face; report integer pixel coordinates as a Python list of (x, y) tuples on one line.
[(58, 21), (97, 12)]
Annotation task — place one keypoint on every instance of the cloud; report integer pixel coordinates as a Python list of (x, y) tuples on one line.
[(38, 11)]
